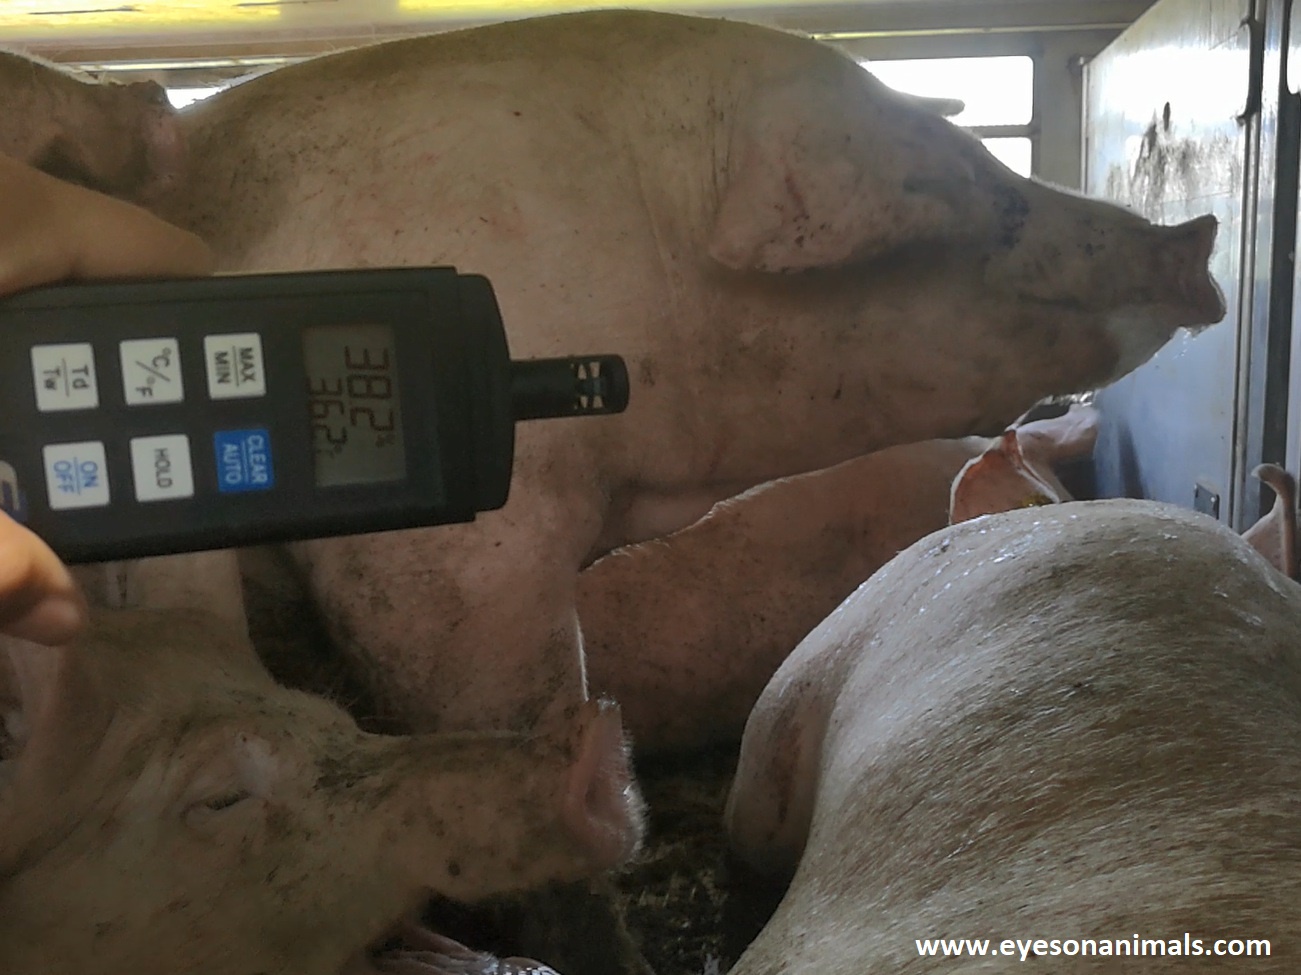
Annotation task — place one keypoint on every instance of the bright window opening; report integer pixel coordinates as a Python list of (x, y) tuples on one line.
[(998, 93), (180, 97), (1012, 153)]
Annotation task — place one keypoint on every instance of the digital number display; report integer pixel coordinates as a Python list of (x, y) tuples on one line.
[(352, 396)]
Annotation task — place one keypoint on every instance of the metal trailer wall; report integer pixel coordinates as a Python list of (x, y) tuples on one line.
[(1186, 113), (1287, 335)]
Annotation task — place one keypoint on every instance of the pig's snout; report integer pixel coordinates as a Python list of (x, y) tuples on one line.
[(1100, 258), (516, 812), (1183, 259)]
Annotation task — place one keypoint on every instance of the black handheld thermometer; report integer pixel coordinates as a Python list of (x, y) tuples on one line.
[(147, 418)]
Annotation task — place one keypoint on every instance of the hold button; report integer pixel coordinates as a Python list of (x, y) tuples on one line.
[(161, 467)]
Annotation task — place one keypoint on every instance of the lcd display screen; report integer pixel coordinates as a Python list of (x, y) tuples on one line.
[(352, 396)]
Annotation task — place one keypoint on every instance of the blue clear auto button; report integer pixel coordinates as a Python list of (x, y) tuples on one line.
[(243, 460)]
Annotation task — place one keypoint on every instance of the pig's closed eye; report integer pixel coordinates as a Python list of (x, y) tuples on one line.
[(233, 786), (219, 809), (226, 800)]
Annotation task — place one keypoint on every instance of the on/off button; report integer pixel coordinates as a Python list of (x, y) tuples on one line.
[(76, 475)]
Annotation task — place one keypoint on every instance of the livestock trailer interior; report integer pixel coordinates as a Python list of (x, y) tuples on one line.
[(1171, 108)]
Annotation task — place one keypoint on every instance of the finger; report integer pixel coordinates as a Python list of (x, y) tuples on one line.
[(51, 230), (38, 598)]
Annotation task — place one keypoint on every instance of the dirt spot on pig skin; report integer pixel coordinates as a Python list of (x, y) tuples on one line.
[(646, 372), (1012, 208)]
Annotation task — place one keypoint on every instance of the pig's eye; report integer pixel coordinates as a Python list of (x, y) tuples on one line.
[(222, 809), (233, 785), (226, 800)]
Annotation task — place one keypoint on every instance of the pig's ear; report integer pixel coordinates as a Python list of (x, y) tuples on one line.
[(136, 164), (601, 805), (1274, 536), (998, 480), (1060, 438), (165, 153), (823, 171)]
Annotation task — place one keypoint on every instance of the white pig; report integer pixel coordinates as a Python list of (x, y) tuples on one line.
[(1077, 721), (684, 632), (1274, 536), (1017, 472), (166, 808), (799, 265), (119, 139)]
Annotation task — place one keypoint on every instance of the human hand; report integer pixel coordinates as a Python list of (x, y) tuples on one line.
[(51, 230), (38, 599)]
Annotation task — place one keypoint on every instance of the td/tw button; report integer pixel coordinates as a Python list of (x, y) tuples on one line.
[(76, 475), (161, 467), (65, 377)]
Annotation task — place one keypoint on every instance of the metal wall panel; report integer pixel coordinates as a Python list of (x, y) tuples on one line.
[(1263, 420), (1171, 110), (1291, 156)]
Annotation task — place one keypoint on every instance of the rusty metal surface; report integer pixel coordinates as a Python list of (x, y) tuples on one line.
[(1165, 133)]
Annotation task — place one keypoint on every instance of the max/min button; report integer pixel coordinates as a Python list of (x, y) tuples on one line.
[(236, 369)]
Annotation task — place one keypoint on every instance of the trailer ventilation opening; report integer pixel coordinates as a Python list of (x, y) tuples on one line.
[(998, 93), (180, 97)]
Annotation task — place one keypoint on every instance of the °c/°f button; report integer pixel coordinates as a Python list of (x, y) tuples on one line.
[(151, 371)]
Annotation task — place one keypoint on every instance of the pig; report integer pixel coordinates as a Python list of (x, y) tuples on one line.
[(166, 807), (1274, 536), (685, 632), (1017, 472), (1076, 721), (119, 139), (799, 266)]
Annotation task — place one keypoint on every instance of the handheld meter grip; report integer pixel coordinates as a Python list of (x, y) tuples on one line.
[(573, 386)]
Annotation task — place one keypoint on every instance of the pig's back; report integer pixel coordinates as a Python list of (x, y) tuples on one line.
[(555, 134), (1086, 727)]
